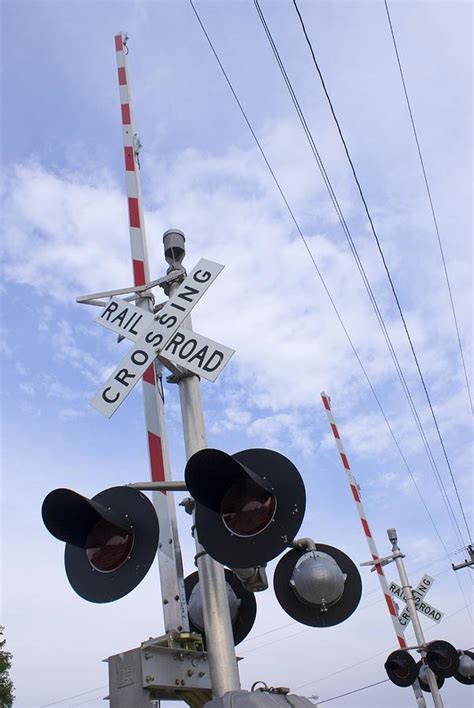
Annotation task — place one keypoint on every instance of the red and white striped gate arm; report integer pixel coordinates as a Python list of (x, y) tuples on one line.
[(132, 174), (419, 698), (169, 552), (363, 519)]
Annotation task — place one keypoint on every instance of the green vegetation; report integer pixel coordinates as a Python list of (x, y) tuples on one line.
[(6, 684)]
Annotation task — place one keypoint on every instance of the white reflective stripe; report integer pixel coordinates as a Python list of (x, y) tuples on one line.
[(124, 94), (136, 242), (131, 184), (127, 136)]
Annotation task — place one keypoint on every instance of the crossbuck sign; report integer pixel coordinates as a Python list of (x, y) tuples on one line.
[(161, 334), (418, 594)]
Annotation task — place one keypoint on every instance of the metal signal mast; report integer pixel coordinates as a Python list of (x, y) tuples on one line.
[(247, 507), (223, 665)]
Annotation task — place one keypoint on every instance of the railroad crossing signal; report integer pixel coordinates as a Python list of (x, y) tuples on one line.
[(465, 672), (249, 506), (186, 348), (111, 539), (166, 322), (401, 668), (441, 657), (242, 605), (320, 587), (418, 594), (422, 669)]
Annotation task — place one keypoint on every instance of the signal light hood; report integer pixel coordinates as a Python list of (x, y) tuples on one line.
[(249, 505), (102, 562)]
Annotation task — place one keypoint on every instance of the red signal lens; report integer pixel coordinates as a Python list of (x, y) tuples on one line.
[(108, 547), (401, 670), (247, 508)]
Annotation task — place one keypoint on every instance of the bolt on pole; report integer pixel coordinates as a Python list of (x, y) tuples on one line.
[(217, 621), (407, 591)]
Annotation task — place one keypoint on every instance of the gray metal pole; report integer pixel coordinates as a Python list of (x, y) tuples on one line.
[(216, 614), (407, 591)]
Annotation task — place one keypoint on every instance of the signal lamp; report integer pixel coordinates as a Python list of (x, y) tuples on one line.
[(111, 539), (465, 672), (242, 605), (442, 658), (319, 587), (249, 507), (401, 668), (423, 678)]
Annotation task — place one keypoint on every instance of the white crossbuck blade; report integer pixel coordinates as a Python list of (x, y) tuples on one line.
[(186, 348), (418, 594), (156, 336)]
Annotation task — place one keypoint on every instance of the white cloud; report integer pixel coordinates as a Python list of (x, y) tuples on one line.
[(65, 234), (70, 413), (27, 388), (66, 349)]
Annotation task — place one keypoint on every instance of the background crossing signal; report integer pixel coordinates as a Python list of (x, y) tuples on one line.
[(320, 587), (249, 507), (242, 606), (442, 658), (465, 672), (401, 668), (421, 669), (111, 539)]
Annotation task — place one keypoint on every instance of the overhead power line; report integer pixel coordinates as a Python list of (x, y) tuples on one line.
[(257, 142), (430, 199), (323, 282), (379, 247), (368, 288), (76, 695), (356, 690), (374, 656)]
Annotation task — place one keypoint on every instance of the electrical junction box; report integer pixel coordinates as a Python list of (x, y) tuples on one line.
[(157, 671), (259, 699)]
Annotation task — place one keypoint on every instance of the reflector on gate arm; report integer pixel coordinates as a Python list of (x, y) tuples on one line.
[(111, 539), (249, 507)]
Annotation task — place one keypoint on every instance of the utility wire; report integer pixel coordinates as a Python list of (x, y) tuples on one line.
[(77, 695), (84, 693), (356, 690), (308, 629), (391, 349), (385, 266), (298, 228), (410, 571), (367, 285), (433, 213), (380, 653)]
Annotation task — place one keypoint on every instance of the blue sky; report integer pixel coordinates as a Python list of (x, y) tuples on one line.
[(65, 234)]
